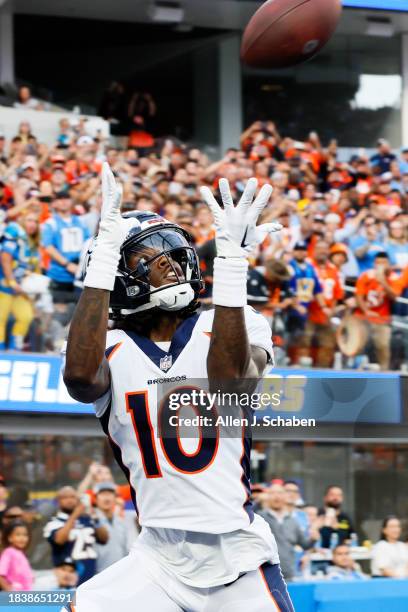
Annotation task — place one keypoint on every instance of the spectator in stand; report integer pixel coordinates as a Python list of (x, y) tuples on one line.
[(19, 257), (280, 245), (63, 236), (339, 258), (3, 498), (381, 161), (141, 112), (64, 577), (396, 244), (389, 557), (12, 513), (73, 532), (305, 286), (58, 178), (259, 494), (376, 289), (285, 528), (403, 162), (66, 134), (343, 567), (312, 513), (367, 245), (26, 101), (335, 521), (107, 512), (26, 137), (186, 220), (294, 503), (96, 474), (113, 108), (15, 570), (268, 288), (320, 332), (358, 205), (204, 226)]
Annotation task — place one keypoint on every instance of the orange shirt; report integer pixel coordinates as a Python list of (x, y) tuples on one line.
[(74, 169), (203, 237), (274, 299), (375, 296), (332, 291), (122, 491), (311, 245)]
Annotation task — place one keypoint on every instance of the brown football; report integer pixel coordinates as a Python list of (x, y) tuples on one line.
[(287, 32)]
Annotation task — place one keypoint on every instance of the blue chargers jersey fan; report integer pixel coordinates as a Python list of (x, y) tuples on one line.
[(153, 237)]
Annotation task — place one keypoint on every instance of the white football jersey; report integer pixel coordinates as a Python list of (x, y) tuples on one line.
[(204, 488)]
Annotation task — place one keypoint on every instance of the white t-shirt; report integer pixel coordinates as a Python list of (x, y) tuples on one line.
[(390, 556)]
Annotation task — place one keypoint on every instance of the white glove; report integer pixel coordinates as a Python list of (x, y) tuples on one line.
[(236, 232), (113, 229), (236, 235)]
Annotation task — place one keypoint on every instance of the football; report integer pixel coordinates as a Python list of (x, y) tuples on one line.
[(283, 33)]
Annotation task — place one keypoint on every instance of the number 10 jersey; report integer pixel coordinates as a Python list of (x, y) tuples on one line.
[(202, 484)]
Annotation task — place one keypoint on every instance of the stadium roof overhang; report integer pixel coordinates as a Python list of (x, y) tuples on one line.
[(217, 14)]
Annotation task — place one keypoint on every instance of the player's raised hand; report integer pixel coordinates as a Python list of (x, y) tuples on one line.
[(112, 222), (237, 234), (113, 229)]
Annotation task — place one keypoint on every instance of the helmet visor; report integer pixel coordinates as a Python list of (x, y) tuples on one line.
[(166, 249)]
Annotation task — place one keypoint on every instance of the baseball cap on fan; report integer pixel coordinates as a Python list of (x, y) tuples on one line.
[(66, 561), (28, 166), (104, 486), (85, 140)]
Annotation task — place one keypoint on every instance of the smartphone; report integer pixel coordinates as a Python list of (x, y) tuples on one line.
[(86, 500)]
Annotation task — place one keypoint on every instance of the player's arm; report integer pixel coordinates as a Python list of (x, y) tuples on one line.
[(230, 352), (86, 372), (230, 357)]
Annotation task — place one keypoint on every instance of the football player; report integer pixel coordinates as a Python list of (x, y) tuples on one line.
[(201, 547)]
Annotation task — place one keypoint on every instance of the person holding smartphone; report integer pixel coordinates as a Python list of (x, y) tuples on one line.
[(74, 531)]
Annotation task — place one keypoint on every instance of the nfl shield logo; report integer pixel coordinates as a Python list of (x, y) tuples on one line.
[(166, 363)]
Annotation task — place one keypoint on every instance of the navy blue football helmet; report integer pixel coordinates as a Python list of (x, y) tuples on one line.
[(153, 237)]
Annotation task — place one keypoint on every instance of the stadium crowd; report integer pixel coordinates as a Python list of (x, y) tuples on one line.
[(86, 529), (330, 281)]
